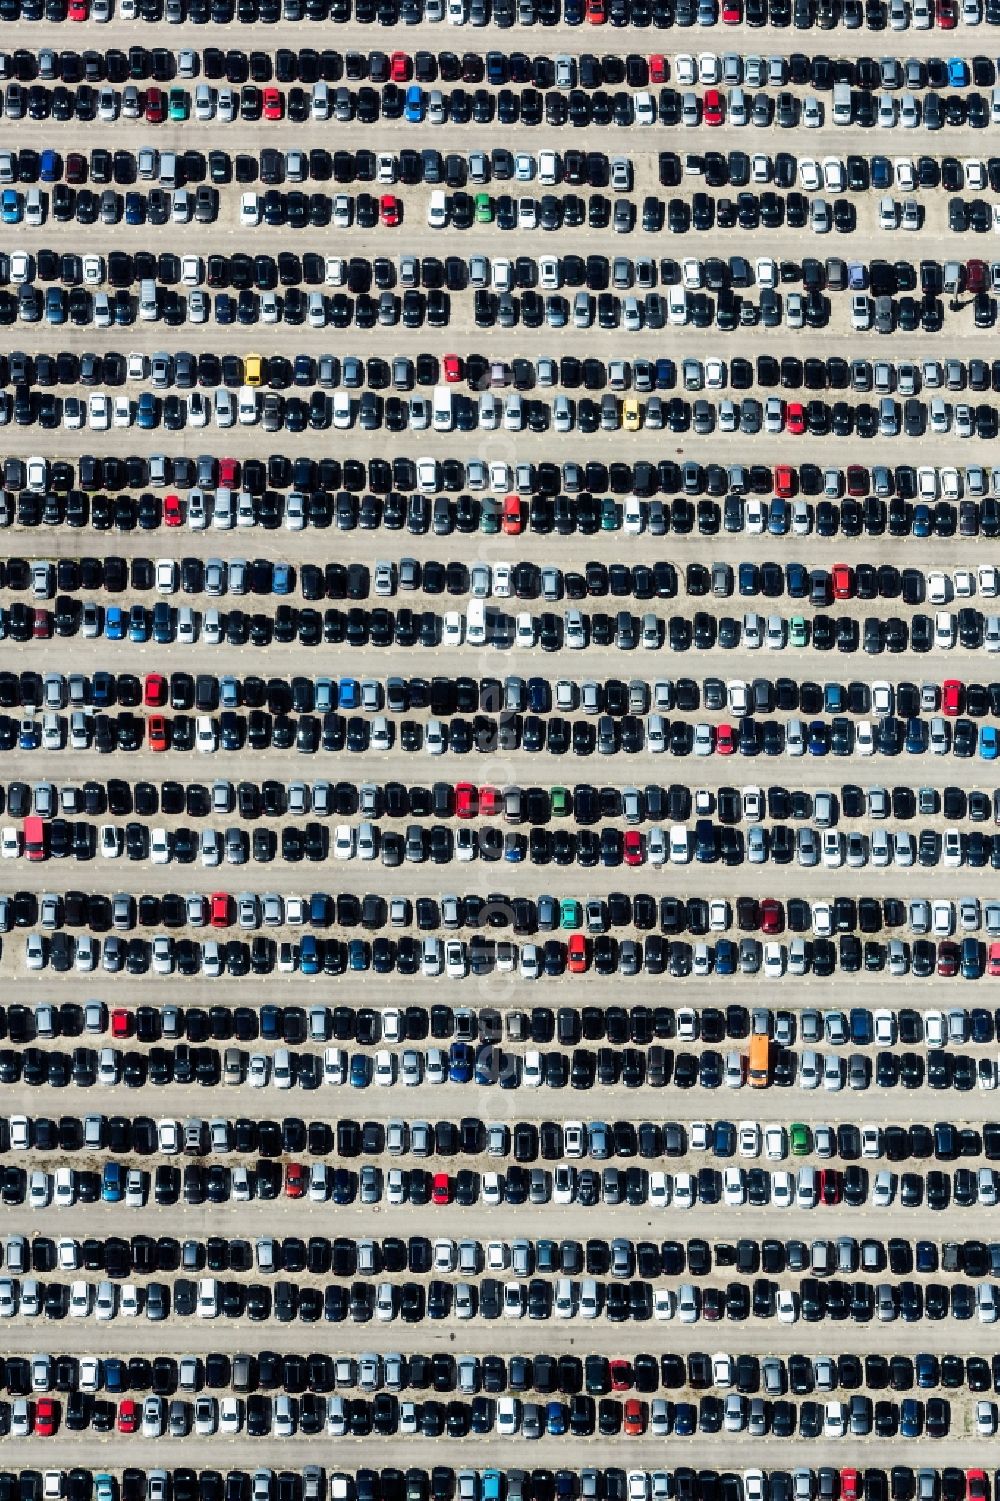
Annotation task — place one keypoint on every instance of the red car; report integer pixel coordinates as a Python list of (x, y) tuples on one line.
[(400, 67), (633, 847), (772, 916), (621, 1375), (951, 697), (41, 625), (842, 578), (947, 14), (784, 481), (634, 1418), (157, 734), (451, 366), (172, 514), (121, 1023), (976, 276), (76, 168), (713, 110), (219, 910), (390, 210), (78, 10), (795, 418), (597, 12), (947, 959), (658, 71), (296, 1180), (229, 473), (465, 800), (128, 1416), (511, 521), (975, 1485), (155, 690), (441, 1189), (732, 13), (154, 106), (46, 1417), (849, 1485), (576, 954), (490, 802), (993, 962), (725, 740), (857, 480), (273, 104), (829, 1186)]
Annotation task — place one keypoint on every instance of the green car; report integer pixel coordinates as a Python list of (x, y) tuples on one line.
[(484, 208), (489, 515), (798, 1137), (609, 515), (559, 802), (178, 104), (570, 913), (798, 635)]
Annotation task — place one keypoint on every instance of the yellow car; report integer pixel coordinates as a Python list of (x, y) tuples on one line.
[(630, 415), (253, 371)]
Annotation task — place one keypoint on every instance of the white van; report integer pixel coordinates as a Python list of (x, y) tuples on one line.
[(842, 109), (475, 623), (443, 413)]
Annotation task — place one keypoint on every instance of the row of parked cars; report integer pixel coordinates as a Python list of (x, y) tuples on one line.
[(387, 577), (260, 731), (524, 1141), (733, 1187), (541, 70), (545, 1374), (164, 955), (968, 629), (285, 1416), (512, 514), (738, 698), (441, 1483), (560, 497), (437, 843), (118, 1257), (875, 15), (184, 370), (902, 1483), (239, 271), (644, 1025), (415, 308), (444, 411)]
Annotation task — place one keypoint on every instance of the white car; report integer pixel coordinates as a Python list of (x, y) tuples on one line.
[(986, 1419), (230, 1416), (733, 1187), (451, 630), (65, 1188), (437, 209), (99, 411)]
